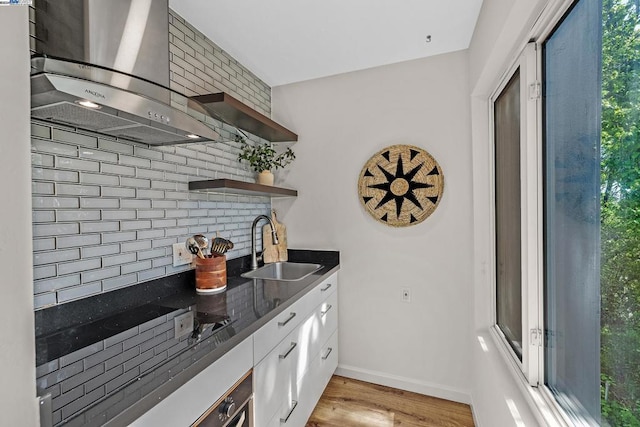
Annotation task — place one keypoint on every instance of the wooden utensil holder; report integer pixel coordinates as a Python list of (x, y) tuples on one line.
[(211, 274)]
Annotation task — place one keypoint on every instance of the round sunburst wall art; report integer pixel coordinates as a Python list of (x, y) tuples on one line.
[(401, 185)]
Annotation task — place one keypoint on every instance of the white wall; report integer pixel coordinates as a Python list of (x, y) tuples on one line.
[(17, 350), (342, 121)]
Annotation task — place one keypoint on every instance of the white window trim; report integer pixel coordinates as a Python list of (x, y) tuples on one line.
[(530, 185)]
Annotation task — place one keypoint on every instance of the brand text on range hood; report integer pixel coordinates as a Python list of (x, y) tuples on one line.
[(103, 65)]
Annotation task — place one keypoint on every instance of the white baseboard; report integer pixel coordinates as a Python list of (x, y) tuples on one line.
[(403, 383)]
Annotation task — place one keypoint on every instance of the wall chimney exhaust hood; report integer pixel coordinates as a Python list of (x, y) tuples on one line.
[(103, 66)]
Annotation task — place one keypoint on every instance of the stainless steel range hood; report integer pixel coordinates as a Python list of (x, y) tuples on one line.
[(103, 65)]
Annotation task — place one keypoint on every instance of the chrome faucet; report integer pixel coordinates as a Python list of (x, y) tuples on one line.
[(254, 255)]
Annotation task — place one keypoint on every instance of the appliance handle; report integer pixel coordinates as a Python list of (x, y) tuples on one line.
[(289, 319), (293, 408), (241, 420), (322, 313), (293, 345)]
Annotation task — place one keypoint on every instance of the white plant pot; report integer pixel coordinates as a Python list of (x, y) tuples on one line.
[(265, 178)]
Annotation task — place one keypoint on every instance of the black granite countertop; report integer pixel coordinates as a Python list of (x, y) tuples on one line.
[(107, 359)]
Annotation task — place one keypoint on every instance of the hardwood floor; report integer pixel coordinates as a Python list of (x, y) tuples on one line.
[(352, 403)]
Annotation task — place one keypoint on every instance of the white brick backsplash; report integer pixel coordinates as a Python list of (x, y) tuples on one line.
[(77, 241), (135, 246), (119, 282), (99, 203), (96, 251), (40, 258), (77, 164), (118, 192), (43, 160), (90, 178), (136, 266), (74, 138), (55, 202), (48, 285), (106, 211), (96, 155), (43, 216), (116, 147), (151, 274), (150, 234), (47, 244), (51, 147), (151, 254), (77, 190), (55, 229), (135, 203), (134, 161), (118, 169), (119, 214), (77, 266), (77, 292), (135, 182), (78, 215), (98, 227), (103, 273), (118, 237)]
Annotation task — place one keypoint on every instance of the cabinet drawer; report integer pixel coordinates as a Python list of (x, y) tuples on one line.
[(273, 332), (289, 415), (327, 362), (312, 385), (315, 331), (326, 288), (327, 315), (267, 337), (274, 378)]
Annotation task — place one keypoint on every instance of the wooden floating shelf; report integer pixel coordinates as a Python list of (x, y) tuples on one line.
[(240, 187), (234, 112)]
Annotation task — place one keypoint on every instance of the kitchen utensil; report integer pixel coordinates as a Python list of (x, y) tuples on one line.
[(219, 246), (193, 247), (203, 243)]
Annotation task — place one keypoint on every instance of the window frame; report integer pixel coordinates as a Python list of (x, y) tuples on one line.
[(529, 373), (528, 63)]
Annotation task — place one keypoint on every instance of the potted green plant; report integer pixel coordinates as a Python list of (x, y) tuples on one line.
[(262, 158)]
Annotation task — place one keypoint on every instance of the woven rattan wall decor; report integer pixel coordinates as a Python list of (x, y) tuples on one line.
[(401, 185)]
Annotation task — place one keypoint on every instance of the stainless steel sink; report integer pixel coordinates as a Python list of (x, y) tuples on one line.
[(284, 271)]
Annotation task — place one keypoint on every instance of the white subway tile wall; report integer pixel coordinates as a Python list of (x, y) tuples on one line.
[(106, 212)]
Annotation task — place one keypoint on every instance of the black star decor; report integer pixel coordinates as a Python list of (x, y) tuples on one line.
[(396, 197)]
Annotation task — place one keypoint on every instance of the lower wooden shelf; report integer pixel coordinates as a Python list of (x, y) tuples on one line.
[(233, 186)]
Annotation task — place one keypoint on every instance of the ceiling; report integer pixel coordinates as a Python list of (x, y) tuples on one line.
[(286, 41)]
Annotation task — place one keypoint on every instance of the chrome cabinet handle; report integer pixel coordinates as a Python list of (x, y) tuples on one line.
[(293, 345), (285, 419), (325, 288), (322, 313), (291, 316), (328, 353)]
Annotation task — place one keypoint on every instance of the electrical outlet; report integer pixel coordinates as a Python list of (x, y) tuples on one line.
[(181, 255), (183, 324), (406, 295)]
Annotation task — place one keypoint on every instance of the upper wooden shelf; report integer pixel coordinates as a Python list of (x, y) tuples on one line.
[(240, 187), (234, 112)]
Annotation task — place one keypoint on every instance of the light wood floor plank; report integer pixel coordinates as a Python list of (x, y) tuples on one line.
[(352, 403)]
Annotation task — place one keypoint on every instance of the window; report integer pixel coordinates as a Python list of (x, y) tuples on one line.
[(571, 210), (570, 264), (507, 195)]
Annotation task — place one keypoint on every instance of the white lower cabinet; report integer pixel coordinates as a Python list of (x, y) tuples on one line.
[(290, 379)]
